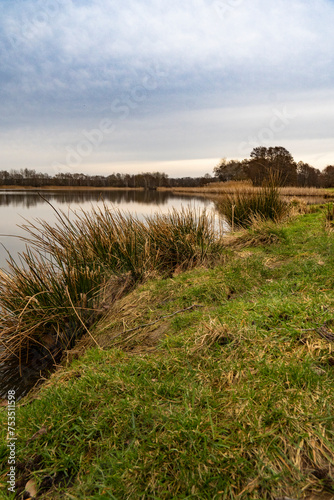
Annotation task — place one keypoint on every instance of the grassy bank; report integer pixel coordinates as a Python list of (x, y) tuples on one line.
[(209, 384)]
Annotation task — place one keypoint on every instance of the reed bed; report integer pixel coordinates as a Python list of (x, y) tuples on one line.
[(246, 187), (54, 289), (304, 191)]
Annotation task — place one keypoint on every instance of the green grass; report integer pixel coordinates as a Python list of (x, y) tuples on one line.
[(232, 399)]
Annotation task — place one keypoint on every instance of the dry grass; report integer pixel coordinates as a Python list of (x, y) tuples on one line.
[(305, 191), (261, 233), (246, 187), (129, 322)]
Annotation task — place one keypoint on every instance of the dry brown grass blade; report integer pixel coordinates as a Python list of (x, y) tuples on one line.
[(214, 333), (79, 318)]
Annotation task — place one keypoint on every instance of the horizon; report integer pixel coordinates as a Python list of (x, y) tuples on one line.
[(162, 170)]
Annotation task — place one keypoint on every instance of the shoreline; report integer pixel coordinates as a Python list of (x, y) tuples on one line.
[(211, 190), (67, 188)]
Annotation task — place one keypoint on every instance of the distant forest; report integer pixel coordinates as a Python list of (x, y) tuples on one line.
[(263, 163), (147, 180)]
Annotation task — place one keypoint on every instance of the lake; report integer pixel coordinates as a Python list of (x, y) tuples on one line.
[(15, 206)]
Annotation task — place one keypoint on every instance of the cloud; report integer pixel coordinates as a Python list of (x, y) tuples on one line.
[(178, 80), (107, 45)]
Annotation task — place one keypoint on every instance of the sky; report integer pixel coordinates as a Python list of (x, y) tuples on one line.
[(105, 86)]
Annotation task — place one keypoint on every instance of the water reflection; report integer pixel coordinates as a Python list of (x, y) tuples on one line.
[(29, 199), (15, 206)]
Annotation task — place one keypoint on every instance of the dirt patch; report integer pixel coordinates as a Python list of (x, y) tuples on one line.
[(273, 263)]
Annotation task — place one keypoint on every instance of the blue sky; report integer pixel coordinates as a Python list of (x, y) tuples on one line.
[(105, 86)]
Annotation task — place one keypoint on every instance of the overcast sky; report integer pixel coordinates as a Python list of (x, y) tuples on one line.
[(107, 86)]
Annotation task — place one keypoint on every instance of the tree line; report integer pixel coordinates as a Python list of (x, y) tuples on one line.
[(265, 162), (146, 180), (262, 164)]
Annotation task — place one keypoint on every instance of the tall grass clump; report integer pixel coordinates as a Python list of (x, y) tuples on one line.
[(181, 239), (240, 209), (54, 292), (329, 217)]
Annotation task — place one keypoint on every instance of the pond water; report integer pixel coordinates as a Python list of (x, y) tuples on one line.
[(15, 206)]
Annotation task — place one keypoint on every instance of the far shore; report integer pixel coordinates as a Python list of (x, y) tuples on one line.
[(68, 188), (212, 190)]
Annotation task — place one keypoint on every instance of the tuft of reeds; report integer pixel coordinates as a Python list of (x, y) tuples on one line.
[(54, 290), (329, 217), (181, 239), (298, 206), (240, 208)]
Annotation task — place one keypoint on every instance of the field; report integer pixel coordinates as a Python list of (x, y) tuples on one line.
[(212, 383)]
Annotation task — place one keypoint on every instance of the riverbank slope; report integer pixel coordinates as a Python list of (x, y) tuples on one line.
[(213, 383)]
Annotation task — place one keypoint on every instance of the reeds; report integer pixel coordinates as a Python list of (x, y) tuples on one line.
[(246, 187), (180, 239), (241, 208), (329, 217), (55, 287)]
